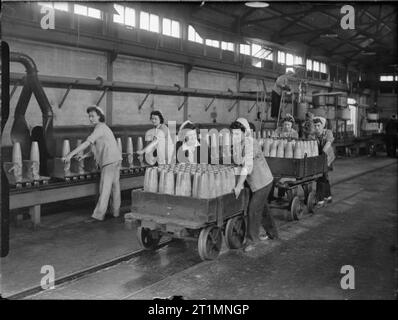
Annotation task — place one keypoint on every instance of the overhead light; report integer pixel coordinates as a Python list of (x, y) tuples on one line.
[(257, 4), (368, 53), (329, 35)]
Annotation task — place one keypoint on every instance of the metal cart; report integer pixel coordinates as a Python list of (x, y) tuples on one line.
[(203, 220), (301, 173)]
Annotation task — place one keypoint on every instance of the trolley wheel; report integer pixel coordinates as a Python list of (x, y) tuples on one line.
[(311, 201), (296, 209), (235, 232), (209, 242), (148, 238)]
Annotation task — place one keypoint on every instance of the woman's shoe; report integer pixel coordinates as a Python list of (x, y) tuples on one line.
[(264, 237), (91, 220), (249, 247), (320, 204), (328, 199)]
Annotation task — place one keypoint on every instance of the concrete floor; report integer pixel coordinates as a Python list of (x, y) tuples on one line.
[(359, 229)]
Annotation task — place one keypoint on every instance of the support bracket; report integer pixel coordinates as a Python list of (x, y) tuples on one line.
[(251, 108), (183, 103), (14, 89), (233, 105), (102, 96), (143, 101), (210, 103), (64, 97)]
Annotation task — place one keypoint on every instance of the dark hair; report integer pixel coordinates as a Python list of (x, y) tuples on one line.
[(252, 126), (157, 113), (97, 111), (289, 119), (237, 125), (190, 126)]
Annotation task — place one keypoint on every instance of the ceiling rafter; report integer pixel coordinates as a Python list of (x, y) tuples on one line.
[(280, 15), (294, 22), (359, 30)]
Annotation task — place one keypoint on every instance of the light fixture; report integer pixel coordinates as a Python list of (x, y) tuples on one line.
[(257, 4), (368, 53), (329, 35)]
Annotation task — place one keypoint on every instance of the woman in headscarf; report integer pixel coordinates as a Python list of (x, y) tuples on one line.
[(108, 157), (308, 128), (187, 146), (256, 173), (286, 131), (160, 141), (325, 139)]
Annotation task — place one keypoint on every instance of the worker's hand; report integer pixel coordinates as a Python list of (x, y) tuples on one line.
[(237, 190), (140, 152), (80, 157), (67, 158)]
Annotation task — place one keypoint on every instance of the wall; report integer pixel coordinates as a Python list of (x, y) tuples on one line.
[(388, 103), (57, 60), (75, 62)]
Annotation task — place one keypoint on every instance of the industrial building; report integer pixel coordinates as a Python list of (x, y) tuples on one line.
[(119, 79)]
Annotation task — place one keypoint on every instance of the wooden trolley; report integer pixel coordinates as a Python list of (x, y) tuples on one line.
[(301, 172), (203, 220)]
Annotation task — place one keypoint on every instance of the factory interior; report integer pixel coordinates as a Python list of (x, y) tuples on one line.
[(316, 84)]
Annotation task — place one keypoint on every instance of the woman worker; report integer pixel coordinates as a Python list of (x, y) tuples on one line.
[(325, 139), (286, 131), (256, 173), (188, 146), (108, 157), (308, 130), (160, 140)]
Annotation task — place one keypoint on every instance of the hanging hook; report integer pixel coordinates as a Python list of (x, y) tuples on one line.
[(232, 106), (209, 105), (143, 101), (183, 103)]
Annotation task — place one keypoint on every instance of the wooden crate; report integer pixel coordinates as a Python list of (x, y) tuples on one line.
[(297, 168), (186, 211)]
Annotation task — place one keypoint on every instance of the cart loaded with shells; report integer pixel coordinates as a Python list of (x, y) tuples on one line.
[(191, 202)]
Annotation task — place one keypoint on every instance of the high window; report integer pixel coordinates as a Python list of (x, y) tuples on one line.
[(87, 11), (281, 57), (194, 36), (227, 46), (212, 43), (62, 6), (149, 21), (171, 28), (125, 15), (244, 49)]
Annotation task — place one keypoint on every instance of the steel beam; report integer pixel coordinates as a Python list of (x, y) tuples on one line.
[(119, 86)]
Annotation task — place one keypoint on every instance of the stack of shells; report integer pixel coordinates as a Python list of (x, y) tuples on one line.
[(203, 181), (33, 171), (286, 148)]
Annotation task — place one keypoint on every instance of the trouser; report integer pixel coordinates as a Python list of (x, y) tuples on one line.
[(275, 104), (391, 145), (259, 213), (109, 188), (323, 187), (271, 196)]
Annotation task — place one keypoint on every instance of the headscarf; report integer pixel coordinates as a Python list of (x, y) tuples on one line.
[(97, 108), (309, 115), (180, 132), (245, 123), (321, 120), (289, 118)]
